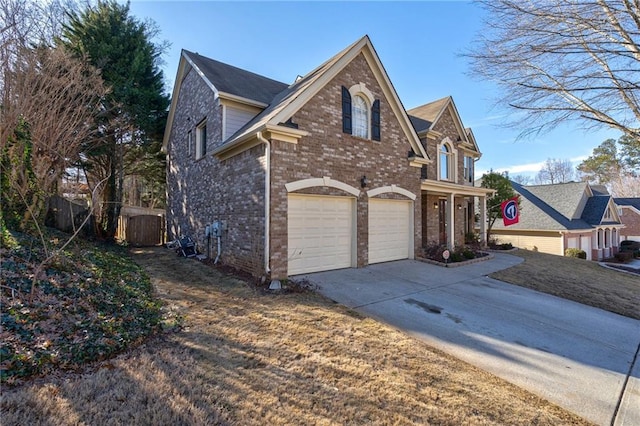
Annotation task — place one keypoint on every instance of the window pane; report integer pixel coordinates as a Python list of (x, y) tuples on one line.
[(360, 114), (444, 163)]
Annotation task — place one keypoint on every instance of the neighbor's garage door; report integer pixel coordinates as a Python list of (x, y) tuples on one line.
[(320, 233), (585, 244), (389, 230)]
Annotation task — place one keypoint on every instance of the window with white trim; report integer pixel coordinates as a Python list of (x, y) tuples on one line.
[(201, 139), (360, 112)]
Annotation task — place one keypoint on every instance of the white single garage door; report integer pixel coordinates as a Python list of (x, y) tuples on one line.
[(321, 233), (389, 230)]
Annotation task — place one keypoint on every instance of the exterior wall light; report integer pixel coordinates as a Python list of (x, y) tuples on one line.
[(364, 181)]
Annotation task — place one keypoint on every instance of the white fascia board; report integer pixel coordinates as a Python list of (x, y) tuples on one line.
[(241, 100)]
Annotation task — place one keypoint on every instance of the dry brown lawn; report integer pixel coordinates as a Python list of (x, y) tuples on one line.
[(576, 279), (249, 358)]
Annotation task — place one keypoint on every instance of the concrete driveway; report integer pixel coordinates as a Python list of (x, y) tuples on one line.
[(576, 356)]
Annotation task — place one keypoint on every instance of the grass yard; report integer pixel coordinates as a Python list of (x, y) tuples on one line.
[(580, 280), (249, 358)]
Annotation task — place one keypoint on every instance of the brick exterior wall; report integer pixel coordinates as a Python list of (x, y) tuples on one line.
[(431, 228), (631, 220), (202, 191), (345, 158)]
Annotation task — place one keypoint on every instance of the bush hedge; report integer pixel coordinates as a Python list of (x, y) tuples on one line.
[(575, 252)]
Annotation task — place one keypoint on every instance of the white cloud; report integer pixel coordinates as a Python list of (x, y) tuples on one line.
[(528, 168)]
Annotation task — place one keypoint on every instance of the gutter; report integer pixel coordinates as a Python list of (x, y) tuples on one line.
[(267, 199)]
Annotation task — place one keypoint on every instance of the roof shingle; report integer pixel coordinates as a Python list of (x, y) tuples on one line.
[(236, 81)]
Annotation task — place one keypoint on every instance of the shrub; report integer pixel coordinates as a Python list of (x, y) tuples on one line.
[(434, 251), (624, 256), (471, 238), (468, 253), (506, 246), (575, 252)]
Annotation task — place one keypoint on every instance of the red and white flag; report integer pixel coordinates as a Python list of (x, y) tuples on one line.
[(510, 211)]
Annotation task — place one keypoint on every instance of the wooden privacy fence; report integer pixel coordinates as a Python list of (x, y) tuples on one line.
[(66, 215), (142, 230)]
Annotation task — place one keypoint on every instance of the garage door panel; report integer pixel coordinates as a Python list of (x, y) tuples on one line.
[(389, 230), (320, 233)]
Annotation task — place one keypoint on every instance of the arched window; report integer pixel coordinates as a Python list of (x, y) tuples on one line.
[(360, 116), (445, 163)]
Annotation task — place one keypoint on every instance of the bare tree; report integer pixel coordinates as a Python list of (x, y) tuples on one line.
[(560, 60), (626, 185), (50, 100), (521, 179), (555, 171)]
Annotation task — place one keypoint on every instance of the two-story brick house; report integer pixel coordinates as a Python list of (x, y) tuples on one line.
[(328, 172)]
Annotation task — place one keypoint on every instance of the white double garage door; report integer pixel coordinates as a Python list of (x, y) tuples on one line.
[(322, 232)]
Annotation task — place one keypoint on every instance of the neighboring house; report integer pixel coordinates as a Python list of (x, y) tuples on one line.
[(326, 173), (565, 215), (629, 212)]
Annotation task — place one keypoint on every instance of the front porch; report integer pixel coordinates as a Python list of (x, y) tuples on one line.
[(448, 212)]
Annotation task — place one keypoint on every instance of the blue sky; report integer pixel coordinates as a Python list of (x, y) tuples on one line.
[(419, 43)]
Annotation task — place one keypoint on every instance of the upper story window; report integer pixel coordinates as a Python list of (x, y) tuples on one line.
[(360, 112), (468, 169), (360, 117), (201, 139), (445, 163), (189, 143)]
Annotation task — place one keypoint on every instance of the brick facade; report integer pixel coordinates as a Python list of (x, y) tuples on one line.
[(343, 157), (431, 227), (205, 190), (630, 218)]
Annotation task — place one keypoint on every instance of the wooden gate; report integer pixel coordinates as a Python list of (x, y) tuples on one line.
[(142, 230)]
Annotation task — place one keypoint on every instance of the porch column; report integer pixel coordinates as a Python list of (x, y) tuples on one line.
[(483, 220), (451, 221)]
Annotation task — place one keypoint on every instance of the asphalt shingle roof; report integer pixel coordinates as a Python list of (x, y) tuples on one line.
[(236, 81), (552, 207), (594, 209), (429, 112), (634, 202), (419, 124)]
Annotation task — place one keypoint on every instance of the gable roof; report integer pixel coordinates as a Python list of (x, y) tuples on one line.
[(553, 207), (286, 103), (595, 208), (425, 117), (599, 190), (430, 112), (236, 81)]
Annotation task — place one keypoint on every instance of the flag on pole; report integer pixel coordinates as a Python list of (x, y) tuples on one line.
[(510, 211)]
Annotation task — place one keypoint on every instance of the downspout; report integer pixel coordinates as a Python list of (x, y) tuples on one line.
[(267, 199)]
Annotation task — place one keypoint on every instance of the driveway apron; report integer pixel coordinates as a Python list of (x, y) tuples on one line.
[(577, 356)]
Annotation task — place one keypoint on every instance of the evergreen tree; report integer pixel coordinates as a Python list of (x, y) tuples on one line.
[(135, 109)]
